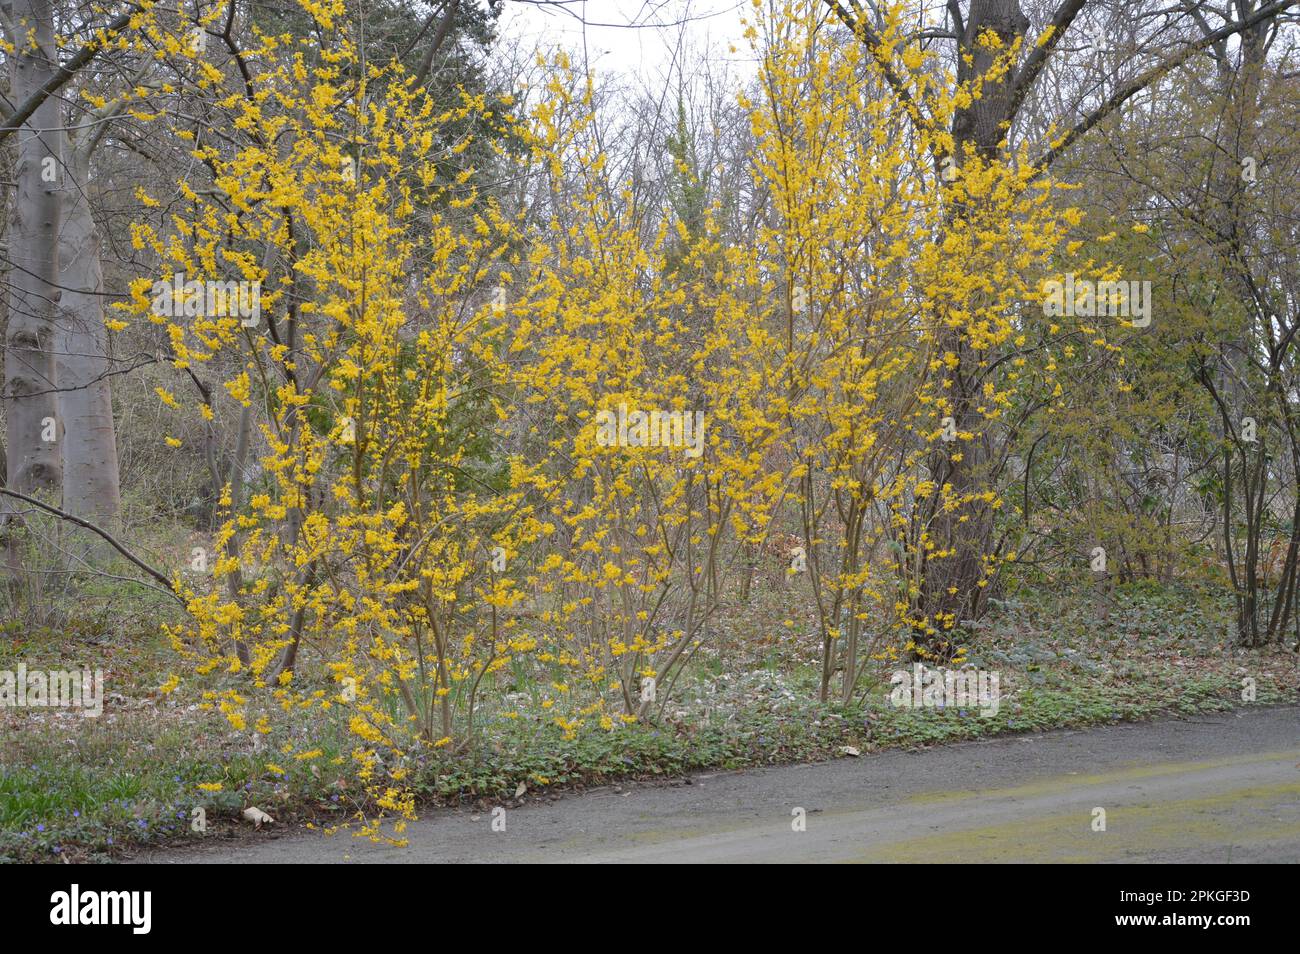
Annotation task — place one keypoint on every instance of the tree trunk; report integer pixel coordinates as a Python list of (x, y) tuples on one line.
[(31, 403), (950, 588), (90, 467)]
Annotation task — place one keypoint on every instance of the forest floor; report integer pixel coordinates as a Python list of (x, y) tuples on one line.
[(80, 789)]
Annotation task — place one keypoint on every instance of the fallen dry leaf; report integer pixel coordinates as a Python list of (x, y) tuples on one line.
[(256, 816)]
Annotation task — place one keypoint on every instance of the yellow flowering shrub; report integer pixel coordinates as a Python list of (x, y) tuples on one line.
[(492, 441)]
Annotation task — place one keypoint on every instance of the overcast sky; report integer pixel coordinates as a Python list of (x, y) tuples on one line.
[(635, 37)]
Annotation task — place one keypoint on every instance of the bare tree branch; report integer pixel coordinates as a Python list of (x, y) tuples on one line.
[(1033, 65), (444, 28), (112, 541), (857, 22), (1139, 83), (14, 121)]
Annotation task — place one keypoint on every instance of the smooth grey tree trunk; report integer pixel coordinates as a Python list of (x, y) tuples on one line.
[(31, 402), (90, 467)]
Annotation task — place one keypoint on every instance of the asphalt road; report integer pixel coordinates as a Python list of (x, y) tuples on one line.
[(1214, 788)]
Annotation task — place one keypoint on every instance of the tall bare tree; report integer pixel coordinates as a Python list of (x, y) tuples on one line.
[(30, 395), (983, 128)]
